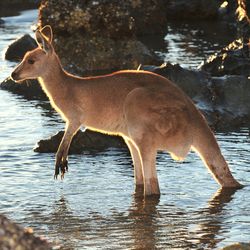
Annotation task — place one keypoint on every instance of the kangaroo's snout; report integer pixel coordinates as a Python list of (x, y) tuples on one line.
[(14, 76)]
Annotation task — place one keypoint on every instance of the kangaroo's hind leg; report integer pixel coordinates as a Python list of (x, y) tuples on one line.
[(140, 121), (148, 158), (145, 143)]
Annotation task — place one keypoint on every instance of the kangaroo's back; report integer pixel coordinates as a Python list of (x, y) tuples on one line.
[(105, 96)]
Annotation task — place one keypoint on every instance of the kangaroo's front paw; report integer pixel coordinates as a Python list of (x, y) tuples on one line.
[(61, 167)]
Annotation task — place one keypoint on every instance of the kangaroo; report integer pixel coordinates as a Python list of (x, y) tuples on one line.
[(146, 109)]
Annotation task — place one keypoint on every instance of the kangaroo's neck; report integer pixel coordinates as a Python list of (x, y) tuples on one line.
[(53, 81)]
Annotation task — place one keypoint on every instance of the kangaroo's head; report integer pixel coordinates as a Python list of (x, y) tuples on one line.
[(36, 62)]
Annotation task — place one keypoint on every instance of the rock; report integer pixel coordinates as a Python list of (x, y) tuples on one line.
[(103, 34), (236, 13), (243, 20), (30, 89), (234, 59), (82, 141), (193, 83), (90, 54), (108, 18), (13, 237), (237, 246), (192, 9), (1, 22), (231, 105), (18, 48), (12, 7), (231, 60)]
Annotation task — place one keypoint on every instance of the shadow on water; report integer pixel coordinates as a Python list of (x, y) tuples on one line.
[(145, 225)]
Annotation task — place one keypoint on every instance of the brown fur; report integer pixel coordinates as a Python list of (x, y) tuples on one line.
[(146, 109)]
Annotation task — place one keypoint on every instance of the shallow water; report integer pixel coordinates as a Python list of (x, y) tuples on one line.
[(94, 206)]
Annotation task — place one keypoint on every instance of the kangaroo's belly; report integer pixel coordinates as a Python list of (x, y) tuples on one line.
[(108, 121)]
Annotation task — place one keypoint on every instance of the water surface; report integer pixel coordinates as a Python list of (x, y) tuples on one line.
[(94, 206)]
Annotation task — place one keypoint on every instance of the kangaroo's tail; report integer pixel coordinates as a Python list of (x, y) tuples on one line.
[(205, 144)]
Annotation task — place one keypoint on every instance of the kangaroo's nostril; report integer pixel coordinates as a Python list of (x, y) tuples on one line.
[(13, 75)]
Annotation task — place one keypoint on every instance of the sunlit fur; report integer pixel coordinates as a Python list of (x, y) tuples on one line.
[(146, 109)]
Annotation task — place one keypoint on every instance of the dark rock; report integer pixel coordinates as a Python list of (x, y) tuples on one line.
[(231, 107), (236, 13), (30, 89), (231, 60), (108, 18), (82, 141), (18, 48), (227, 10), (234, 59), (193, 83), (1, 22), (232, 92), (103, 34), (14, 237), (243, 20), (12, 7), (89, 54), (192, 9)]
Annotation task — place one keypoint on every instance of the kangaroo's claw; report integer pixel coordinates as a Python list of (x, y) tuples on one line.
[(62, 175), (61, 167), (56, 171)]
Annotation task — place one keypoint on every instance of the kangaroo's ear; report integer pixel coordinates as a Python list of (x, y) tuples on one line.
[(47, 33), (43, 42)]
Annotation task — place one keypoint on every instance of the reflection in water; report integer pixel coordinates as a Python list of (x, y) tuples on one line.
[(212, 218), (146, 225), (143, 215)]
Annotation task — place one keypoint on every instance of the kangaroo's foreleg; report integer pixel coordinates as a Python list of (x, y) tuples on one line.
[(138, 175), (62, 152)]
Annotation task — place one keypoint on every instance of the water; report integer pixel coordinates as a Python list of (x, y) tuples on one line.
[(94, 206)]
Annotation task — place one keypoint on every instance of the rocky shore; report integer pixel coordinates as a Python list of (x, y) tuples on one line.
[(13, 237)]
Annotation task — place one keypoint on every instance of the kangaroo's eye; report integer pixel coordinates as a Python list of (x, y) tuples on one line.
[(31, 61)]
